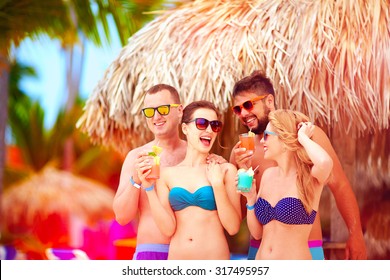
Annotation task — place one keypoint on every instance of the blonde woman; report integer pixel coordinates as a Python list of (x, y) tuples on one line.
[(284, 210), (194, 202)]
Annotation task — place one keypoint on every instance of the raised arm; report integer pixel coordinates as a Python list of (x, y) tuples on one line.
[(322, 162), (345, 200), (254, 226), (241, 158), (126, 199), (159, 204), (226, 198)]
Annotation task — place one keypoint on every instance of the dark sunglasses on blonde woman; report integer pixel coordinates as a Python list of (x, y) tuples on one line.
[(202, 124), (247, 105), (163, 110)]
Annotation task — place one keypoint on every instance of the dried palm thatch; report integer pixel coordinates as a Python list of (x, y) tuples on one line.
[(55, 192), (328, 59), (372, 162), (366, 158), (377, 235)]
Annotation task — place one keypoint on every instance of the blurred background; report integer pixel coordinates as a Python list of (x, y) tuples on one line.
[(57, 187)]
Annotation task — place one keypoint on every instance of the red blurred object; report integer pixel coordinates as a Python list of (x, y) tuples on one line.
[(14, 157), (125, 248)]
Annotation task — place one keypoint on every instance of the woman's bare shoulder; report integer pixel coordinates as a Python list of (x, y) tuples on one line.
[(269, 172), (229, 166)]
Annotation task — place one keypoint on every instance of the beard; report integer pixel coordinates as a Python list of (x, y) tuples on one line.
[(261, 123)]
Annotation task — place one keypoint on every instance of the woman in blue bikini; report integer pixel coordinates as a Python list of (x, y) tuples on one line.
[(193, 202), (283, 211)]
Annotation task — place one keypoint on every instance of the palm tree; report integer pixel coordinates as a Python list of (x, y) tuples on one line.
[(66, 21), (42, 149), (50, 17), (40, 146)]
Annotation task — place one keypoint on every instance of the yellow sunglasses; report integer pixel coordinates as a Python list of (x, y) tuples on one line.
[(163, 110)]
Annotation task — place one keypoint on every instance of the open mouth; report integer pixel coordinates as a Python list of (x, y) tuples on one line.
[(205, 140), (250, 121)]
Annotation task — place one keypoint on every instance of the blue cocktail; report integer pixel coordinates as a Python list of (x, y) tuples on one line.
[(245, 179)]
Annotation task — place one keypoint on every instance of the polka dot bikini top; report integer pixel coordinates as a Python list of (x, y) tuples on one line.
[(288, 210)]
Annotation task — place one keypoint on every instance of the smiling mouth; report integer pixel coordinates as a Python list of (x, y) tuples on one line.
[(249, 120), (159, 123), (205, 140)]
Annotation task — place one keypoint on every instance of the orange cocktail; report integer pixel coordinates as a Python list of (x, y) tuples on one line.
[(248, 141), (155, 171)]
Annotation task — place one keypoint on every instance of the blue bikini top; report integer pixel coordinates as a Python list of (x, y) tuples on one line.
[(203, 197), (288, 210)]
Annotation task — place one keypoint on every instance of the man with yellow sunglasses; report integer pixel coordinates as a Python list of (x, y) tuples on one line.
[(163, 112)]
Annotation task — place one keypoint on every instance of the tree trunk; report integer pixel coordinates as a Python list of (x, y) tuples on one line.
[(74, 66), (4, 81)]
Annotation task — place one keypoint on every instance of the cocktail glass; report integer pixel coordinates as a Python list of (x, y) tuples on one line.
[(245, 179), (248, 141), (155, 171)]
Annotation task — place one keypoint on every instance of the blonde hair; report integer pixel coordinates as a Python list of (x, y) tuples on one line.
[(285, 123)]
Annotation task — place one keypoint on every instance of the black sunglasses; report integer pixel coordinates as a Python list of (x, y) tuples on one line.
[(163, 110), (266, 133), (247, 105), (202, 124)]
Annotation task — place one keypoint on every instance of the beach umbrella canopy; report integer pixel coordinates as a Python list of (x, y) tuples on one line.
[(328, 59), (55, 192)]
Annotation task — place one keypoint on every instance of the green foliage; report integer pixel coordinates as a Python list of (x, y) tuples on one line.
[(41, 146), (26, 122), (65, 20), (129, 16), (29, 18)]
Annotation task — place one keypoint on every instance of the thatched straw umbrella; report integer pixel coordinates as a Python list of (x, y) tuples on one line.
[(55, 192), (328, 59), (378, 231)]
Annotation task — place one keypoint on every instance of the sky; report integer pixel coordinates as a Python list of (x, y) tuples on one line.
[(48, 60)]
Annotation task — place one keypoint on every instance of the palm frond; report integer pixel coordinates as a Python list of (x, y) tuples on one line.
[(49, 16)]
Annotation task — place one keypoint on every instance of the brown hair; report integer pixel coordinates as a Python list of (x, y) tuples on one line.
[(256, 82), (189, 110), (171, 89), (285, 122)]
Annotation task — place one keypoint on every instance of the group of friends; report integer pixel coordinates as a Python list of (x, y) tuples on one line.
[(189, 210)]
